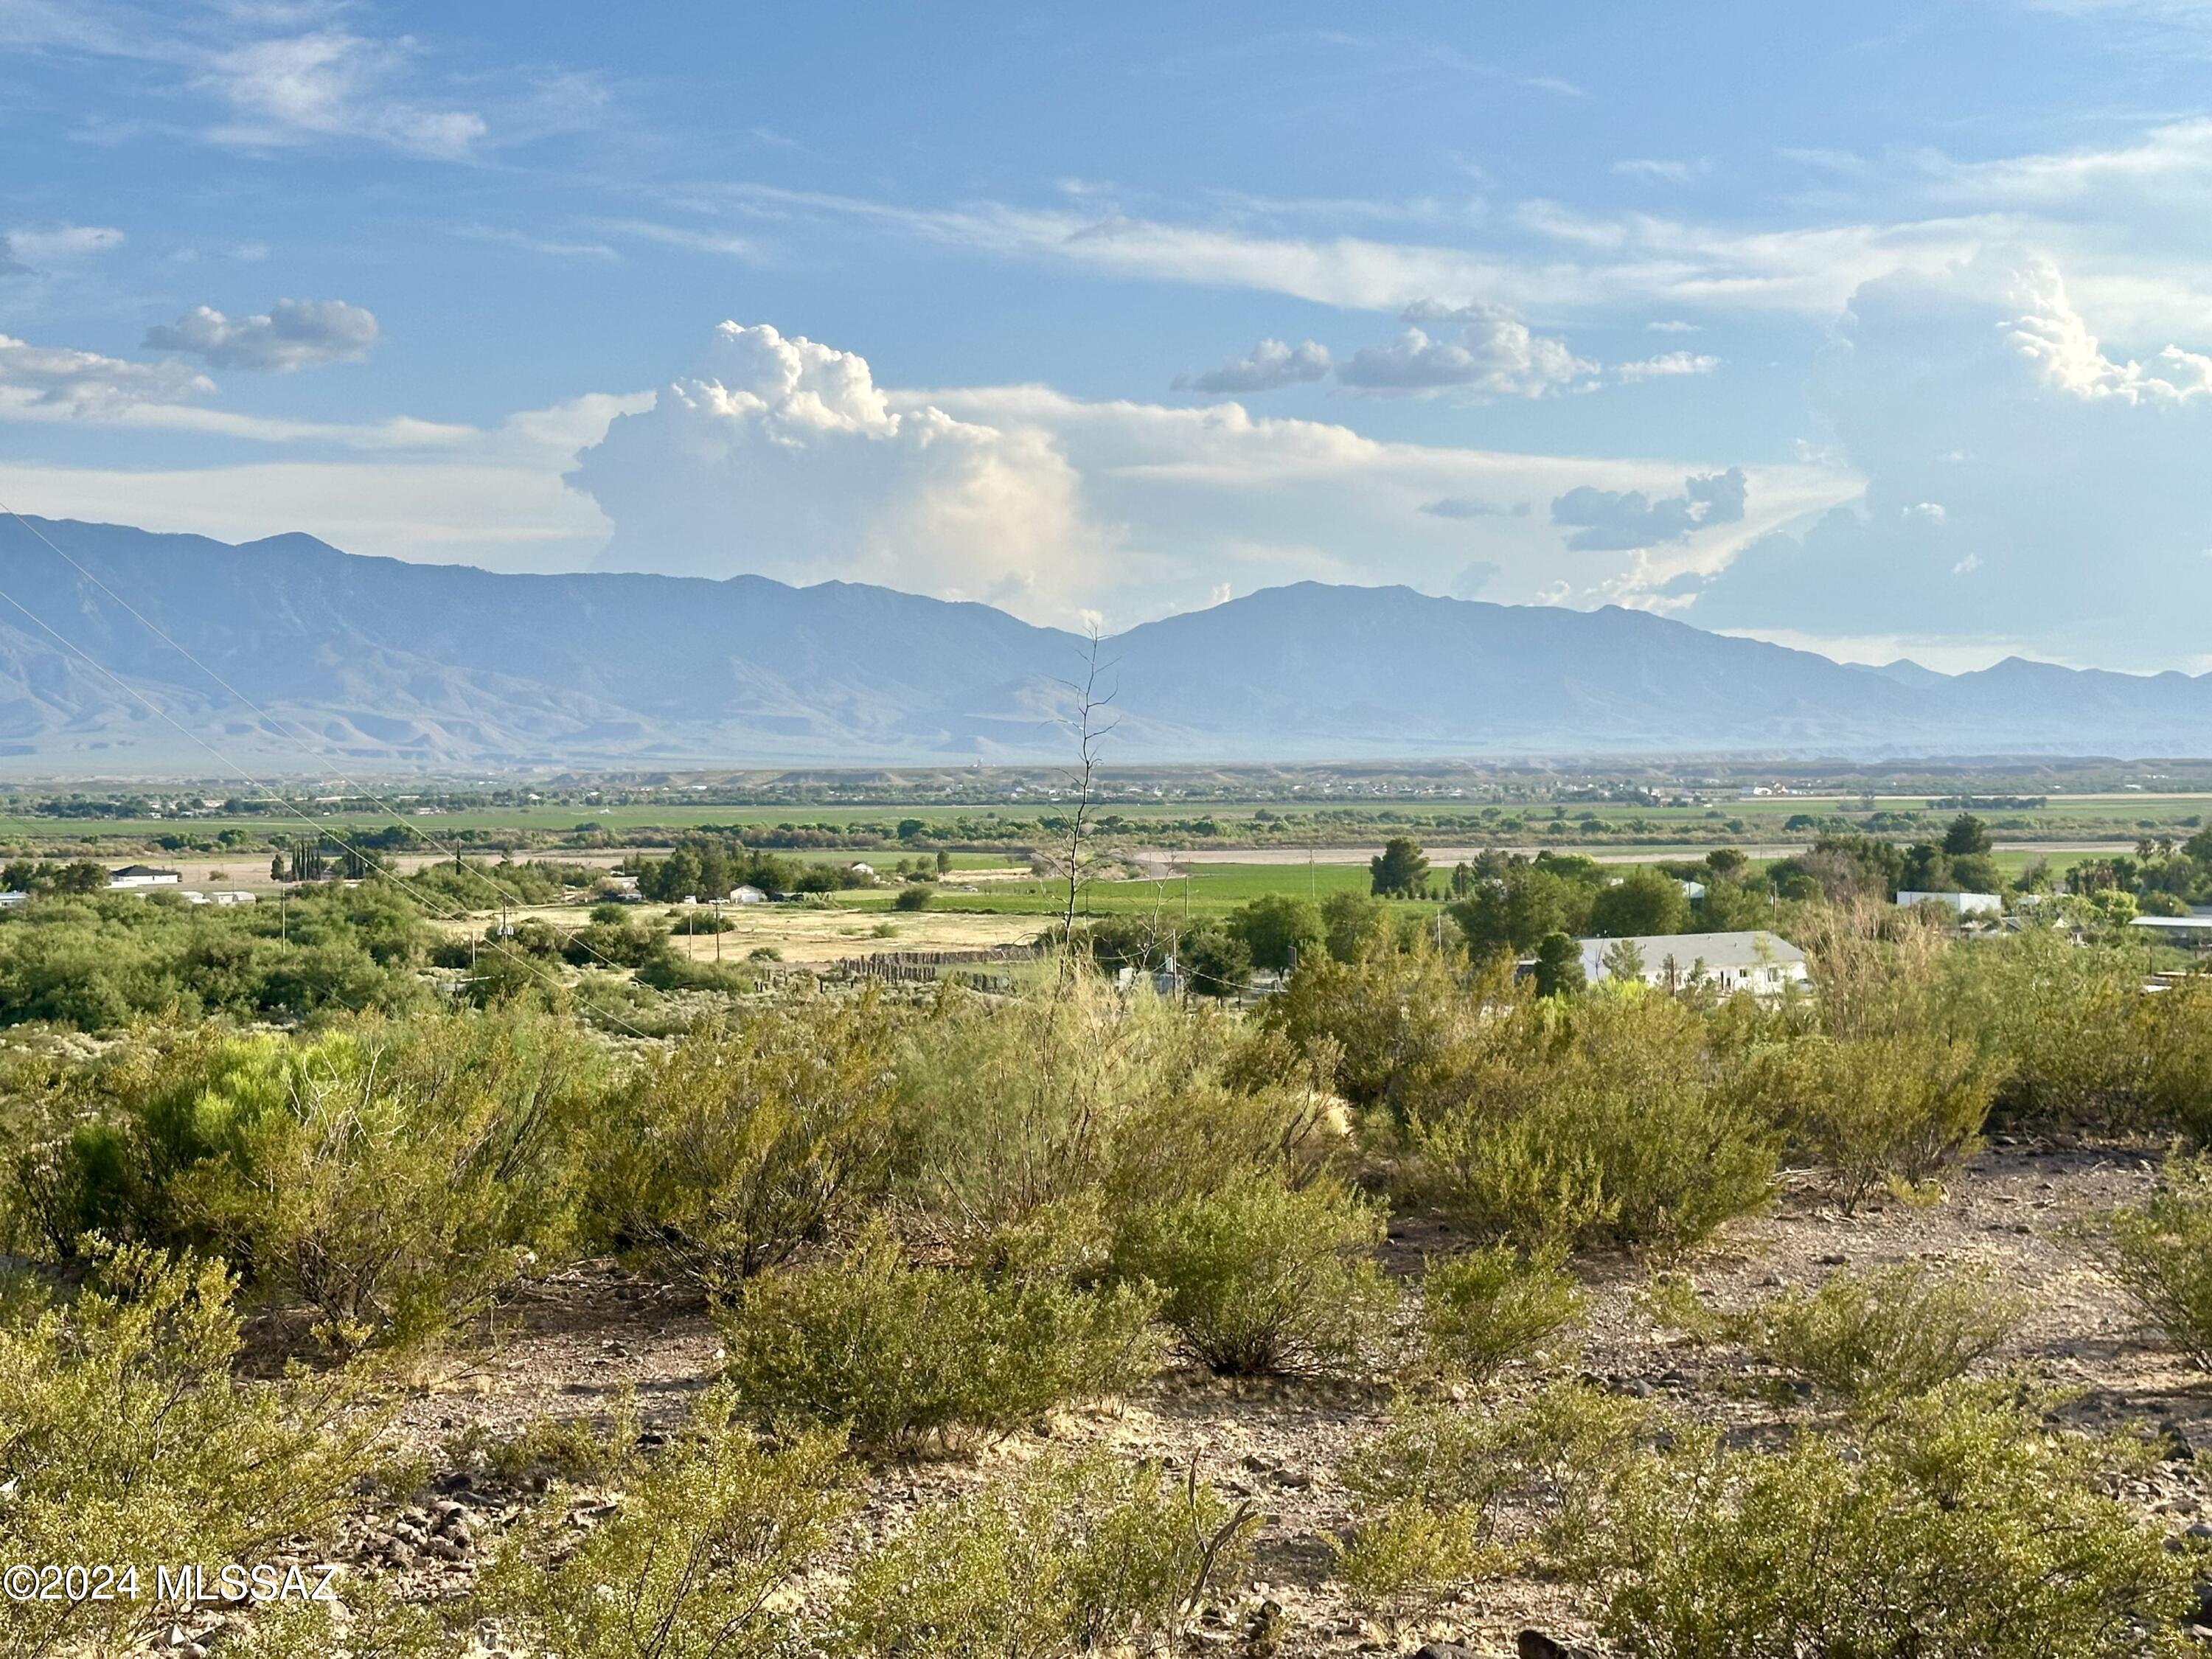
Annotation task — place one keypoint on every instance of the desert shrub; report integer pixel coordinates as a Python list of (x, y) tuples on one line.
[(743, 1142), (1898, 1108), (1258, 1113), (392, 1176), (916, 896), (1073, 1555), (904, 1357), (1259, 1278), (2160, 1252), (696, 1561), (2079, 1041), (1959, 1524), (1887, 1334), (126, 1439), (1431, 1493), (1397, 1024), (1484, 1308), (1005, 1107), (367, 1619), (574, 1450), (1619, 1133)]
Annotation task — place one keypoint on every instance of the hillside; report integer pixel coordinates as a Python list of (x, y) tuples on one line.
[(377, 661)]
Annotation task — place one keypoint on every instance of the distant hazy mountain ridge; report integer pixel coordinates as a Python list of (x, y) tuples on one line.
[(379, 661)]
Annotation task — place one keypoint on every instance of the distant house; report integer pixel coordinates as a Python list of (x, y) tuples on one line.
[(1757, 961), (1693, 890), (862, 869), (233, 898), (747, 895), (9, 900), (2194, 932), (142, 875), (1966, 904)]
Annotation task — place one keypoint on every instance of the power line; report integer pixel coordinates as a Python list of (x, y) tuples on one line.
[(268, 719), (254, 783)]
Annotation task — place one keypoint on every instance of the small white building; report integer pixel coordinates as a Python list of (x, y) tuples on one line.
[(1755, 961), (9, 900), (747, 895), (862, 869), (1966, 904), (2194, 932), (142, 875), (234, 897)]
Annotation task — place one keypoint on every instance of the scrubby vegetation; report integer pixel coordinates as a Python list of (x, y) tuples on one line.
[(258, 1194)]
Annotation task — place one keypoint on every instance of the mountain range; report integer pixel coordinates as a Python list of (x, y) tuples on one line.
[(300, 653)]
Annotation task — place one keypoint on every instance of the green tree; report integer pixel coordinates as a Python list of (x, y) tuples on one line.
[(1400, 869), (1622, 960), (1558, 965), (1643, 902), (1216, 963), (1347, 920), (1277, 928), (1966, 835), (1516, 908)]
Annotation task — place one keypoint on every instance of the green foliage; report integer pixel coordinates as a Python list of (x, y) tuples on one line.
[(1257, 1278), (1349, 920), (915, 896), (1005, 1108), (1429, 1492), (1400, 869), (1618, 1129), (904, 1357), (99, 961), (1073, 1555), (727, 1152), (1957, 1524), (1484, 1308), (126, 1439), (1559, 966), (1901, 1106), (2160, 1252), (1875, 1337), (392, 1176), (1215, 962), (1515, 903), (694, 1564), (1642, 902), (1277, 928)]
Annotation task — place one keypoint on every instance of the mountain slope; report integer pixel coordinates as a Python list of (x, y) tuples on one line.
[(377, 661)]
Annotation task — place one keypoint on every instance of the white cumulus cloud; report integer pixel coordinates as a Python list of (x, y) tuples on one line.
[(291, 334), (1998, 437), (1490, 351), (783, 457), (1270, 365), (87, 382)]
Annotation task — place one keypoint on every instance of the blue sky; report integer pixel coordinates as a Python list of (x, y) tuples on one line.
[(1880, 328)]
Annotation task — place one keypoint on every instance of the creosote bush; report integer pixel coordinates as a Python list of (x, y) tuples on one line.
[(906, 1358), (1959, 1523), (1073, 1555), (392, 1176), (2161, 1251), (126, 1439), (1430, 1490), (1610, 1127), (743, 1143), (1484, 1308), (693, 1561), (1257, 1278), (1869, 1338)]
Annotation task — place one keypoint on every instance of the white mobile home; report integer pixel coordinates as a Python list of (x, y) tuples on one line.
[(1757, 961)]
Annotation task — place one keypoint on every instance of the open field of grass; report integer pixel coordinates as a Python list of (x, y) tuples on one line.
[(2104, 815)]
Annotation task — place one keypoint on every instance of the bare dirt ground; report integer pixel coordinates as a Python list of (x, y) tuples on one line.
[(567, 1346)]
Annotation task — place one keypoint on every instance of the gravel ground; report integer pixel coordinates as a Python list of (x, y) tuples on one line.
[(573, 1341)]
